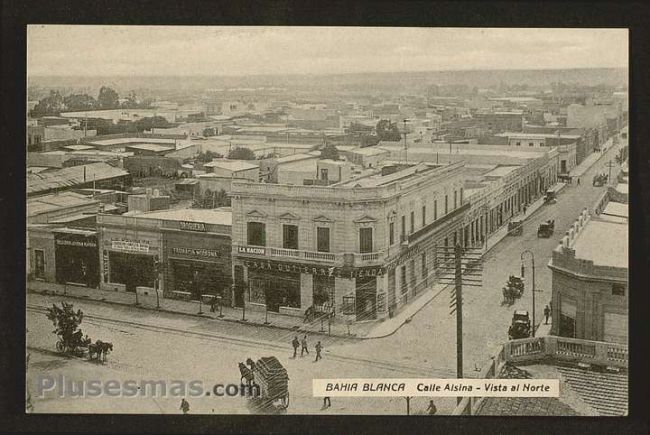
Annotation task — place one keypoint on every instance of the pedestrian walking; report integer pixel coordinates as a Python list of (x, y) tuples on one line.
[(303, 342), (525, 208), (431, 410), (185, 406), (578, 181), (326, 402), (319, 347), (295, 344), (213, 305), (547, 313)]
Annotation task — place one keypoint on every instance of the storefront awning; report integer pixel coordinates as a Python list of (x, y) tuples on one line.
[(72, 218), (75, 231)]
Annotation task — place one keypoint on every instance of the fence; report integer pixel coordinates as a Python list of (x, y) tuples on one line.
[(545, 348)]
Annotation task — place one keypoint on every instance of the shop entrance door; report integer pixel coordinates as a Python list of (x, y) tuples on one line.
[(39, 264), (366, 298), (132, 270)]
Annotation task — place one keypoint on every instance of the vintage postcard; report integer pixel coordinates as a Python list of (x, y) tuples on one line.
[(327, 220)]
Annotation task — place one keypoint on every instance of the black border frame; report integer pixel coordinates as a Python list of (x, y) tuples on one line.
[(16, 14)]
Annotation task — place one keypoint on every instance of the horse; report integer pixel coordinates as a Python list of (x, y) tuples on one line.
[(106, 348), (95, 349), (246, 374)]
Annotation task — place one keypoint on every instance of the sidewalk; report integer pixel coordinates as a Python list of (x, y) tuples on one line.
[(337, 327), (593, 158), (502, 232)]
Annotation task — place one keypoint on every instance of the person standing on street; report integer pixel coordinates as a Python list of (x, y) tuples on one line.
[(578, 181), (185, 406), (326, 402), (295, 344), (547, 313), (304, 346), (319, 347), (431, 410)]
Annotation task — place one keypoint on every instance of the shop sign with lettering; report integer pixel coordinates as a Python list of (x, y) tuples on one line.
[(192, 226), (338, 272), (105, 265), (251, 250), (130, 245), (80, 243), (196, 252)]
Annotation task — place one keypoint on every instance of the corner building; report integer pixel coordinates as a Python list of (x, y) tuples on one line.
[(364, 248)]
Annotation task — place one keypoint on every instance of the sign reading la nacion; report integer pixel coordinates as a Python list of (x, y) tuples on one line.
[(251, 250)]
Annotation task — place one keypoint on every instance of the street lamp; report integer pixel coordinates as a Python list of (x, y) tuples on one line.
[(532, 259)]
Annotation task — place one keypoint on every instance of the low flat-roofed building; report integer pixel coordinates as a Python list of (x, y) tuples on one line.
[(270, 167), (248, 169), (590, 278), (100, 175), (192, 248), (368, 157), (48, 208)]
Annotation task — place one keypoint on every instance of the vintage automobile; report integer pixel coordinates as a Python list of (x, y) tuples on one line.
[(546, 229), (550, 197), (599, 180), (520, 327), (516, 227)]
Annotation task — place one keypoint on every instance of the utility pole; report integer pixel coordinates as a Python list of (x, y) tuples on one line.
[(458, 275), (470, 260), (406, 149), (532, 259), (610, 165)]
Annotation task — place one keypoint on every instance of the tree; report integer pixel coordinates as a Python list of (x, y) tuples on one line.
[(151, 122), (207, 156), (387, 130), (329, 151), (241, 153), (369, 140), (108, 98), (210, 131), (79, 102), (49, 106), (66, 322)]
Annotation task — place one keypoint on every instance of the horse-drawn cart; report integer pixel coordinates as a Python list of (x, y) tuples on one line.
[(270, 376), (513, 289)]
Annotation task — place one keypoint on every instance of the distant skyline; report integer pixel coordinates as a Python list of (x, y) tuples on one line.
[(69, 50)]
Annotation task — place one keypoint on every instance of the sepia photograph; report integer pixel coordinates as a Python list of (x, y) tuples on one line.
[(278, 220)]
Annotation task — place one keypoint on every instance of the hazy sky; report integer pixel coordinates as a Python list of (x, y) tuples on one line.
[(185, 50)]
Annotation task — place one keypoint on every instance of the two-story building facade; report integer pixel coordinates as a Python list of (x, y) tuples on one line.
[(364, 246)]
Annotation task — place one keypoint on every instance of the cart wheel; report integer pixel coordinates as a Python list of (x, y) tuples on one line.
[(60, 347), (285, 401)]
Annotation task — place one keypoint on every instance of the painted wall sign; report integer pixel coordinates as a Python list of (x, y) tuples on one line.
[(251, 250), (192, 226), (197, 252), (338, 272), (105, 262), (129, 245), (80, 243)]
